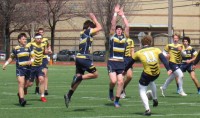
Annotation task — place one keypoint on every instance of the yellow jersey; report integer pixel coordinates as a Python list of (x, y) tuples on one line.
[(174, 52), (129, 46), (149, 57)]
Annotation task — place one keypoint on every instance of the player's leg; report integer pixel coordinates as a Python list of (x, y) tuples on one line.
[(154, 93), (179, 74), (120, 84), (45, 70), (195, 80), (21, 83), (37, 89), (42, 90), (112, 83), (129, 75)]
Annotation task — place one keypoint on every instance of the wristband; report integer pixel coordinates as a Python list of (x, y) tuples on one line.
[(115, 14), (123, 16), (32, 60), (6, 63)]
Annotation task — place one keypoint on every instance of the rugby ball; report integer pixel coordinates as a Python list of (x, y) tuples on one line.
[(149, 95)]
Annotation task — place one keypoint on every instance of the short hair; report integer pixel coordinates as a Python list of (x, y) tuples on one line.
[(21, 35), (40, 29), (177, 34), (88, 23), (146, 40), (118, 26), (186, 38)]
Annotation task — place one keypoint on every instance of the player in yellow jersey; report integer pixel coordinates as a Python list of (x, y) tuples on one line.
[(150, 57), (173, 53), (44, 63), (129, 52), (24, 57), (37, 67)]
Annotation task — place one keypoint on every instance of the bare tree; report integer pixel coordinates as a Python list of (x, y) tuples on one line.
[(57, 10), (15, 14), (104, 12)]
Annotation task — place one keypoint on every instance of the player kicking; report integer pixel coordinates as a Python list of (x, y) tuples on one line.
[(173, 52), (83, 58), (149, 57), (24, 57)]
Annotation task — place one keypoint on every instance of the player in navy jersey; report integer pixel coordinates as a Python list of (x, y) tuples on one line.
[(115, 64), (24, 57), (83, 58), (188, 56)]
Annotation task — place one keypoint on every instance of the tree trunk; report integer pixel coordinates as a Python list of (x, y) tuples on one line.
[(6, 38), (52, 37)]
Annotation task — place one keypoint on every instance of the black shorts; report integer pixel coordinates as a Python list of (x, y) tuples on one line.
[(36, 71), (23, 71), (186, 67), (145, 79), (128, 61), (174, 66), (84, 64), (115, 66), (45, 63)]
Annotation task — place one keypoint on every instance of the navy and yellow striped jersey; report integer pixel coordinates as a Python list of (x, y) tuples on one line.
[(46, 44), (149, 57), (174, 53), (129, 46), (38, 52), (86, 39), (22, 55), (117, 46), (189, 53)]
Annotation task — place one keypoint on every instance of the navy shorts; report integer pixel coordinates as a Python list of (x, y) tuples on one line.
[(186, 67), (45, 63), (115, 66), (174, 66), (145, 78), (36, 71), (84, 64), (128, 61), (23, 71)]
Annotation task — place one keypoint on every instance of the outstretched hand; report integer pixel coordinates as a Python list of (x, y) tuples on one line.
[(121, 11), (92, 16), (117, 8)]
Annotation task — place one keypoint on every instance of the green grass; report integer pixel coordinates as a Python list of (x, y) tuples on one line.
[(91, 98)]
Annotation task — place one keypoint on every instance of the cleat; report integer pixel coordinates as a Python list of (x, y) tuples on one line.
[(155, 103), (43, 99), (182, 93), (116, 104), (123, 94), (178, 91), (67, 100), (198, 92), (37, 90), (147, 113), (76, 79), (46, 92), (111, 96), (23, 103), (162, 91)]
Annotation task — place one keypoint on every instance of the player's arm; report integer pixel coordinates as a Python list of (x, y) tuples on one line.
[(114, 18), (126, 30), (165, 62), (98, 25), (12, 56), (196, 61)]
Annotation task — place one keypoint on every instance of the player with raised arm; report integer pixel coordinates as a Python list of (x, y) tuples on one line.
[(83, 58)]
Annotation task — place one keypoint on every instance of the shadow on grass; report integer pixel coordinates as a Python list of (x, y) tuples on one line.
[(83, 110)]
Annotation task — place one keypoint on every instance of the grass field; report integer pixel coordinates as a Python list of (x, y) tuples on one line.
[(91, 98)]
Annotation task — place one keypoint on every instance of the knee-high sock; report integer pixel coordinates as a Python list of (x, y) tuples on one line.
[(143, 96), (153, 89), (168, 81), (179, 74)]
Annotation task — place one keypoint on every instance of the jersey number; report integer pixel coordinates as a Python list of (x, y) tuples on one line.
[(150, 57)]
